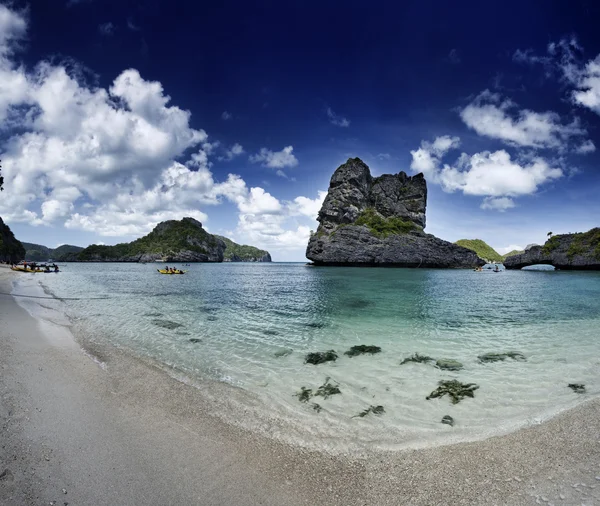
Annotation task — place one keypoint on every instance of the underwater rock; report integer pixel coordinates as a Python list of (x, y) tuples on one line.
[(448, 420), (269, 332), (194, 340), (211, 318), (304, 394), (455, 389), (316, 325), (152, 314), (419, 359), (327, 389), (498, 357), (320, 357), (448, 364), (283, 353), (357, 303), (167, 324), (578, 388), (362, 349), (376, 410)]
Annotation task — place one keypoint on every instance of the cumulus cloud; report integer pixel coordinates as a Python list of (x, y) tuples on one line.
[(507, 249), (275, 159), (337, 120), (493, 116), (107, 29), (226, 115), (586, 147), (232, 152), (307, 207), (493, 175)]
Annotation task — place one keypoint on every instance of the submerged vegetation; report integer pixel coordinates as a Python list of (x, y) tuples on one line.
[(382, 227), (304, 394), (376, 410), (320, 357), (419, 359), (326, 390), (361, 349), (456, 390), (499, 357), (578, 388)]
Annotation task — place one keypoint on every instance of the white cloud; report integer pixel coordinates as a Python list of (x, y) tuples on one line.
[(232, 152), (226, 116), (493, 175), (308, 207), (384, 156), (588, 84), (507, 249), (586, 147), (453, 57), (498, 203), (427, 158), (107, 29), (277, 159), (337, 120), (492, 116)]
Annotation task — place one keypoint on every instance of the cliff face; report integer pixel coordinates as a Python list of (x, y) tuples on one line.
[(11, 250), (242, 253), (379, 221), (171, 241), (567, 251)]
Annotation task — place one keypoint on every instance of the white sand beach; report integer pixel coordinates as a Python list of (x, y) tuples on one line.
[(76, 433)]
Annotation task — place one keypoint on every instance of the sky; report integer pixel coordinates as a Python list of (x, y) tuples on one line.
[(116, 115)]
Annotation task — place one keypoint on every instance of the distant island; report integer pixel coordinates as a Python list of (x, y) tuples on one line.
[(485, 251), (367, 221), (579, 251), (170, 241)]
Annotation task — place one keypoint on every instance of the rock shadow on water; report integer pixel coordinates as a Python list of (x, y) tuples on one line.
[(362, 349), (166, 324), (356, 303)]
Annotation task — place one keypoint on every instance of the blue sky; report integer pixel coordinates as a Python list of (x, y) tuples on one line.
[(116, 115)]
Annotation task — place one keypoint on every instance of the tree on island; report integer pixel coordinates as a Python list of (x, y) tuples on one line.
[(1, 179), (550, 234)]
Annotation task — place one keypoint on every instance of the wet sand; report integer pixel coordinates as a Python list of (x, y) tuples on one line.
[(129, 434)]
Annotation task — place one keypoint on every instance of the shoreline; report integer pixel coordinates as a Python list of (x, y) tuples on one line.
[(131, 433)]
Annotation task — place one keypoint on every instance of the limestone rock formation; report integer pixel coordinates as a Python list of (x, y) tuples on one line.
[(11, 250), (567, 251), (379, 221)]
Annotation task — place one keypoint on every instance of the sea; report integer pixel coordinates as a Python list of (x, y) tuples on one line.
[(248, 327)]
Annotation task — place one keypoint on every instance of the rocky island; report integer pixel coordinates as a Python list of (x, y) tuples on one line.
[(367, 221), (174, 241), (11, 250), (579, 251)]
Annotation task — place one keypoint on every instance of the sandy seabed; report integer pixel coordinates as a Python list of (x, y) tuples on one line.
[(119, 431)]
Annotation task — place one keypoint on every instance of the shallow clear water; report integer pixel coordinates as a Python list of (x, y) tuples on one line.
[(244, 314)]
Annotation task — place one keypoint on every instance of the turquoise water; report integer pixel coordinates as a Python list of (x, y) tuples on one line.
[(246, 314)]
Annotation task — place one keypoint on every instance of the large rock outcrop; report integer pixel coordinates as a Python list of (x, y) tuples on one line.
[(379, 221), (568, 251), (243, 253), (170, 241), (11, 250)]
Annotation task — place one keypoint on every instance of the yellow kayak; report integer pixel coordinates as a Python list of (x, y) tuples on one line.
[(164, 271), (22, 269)]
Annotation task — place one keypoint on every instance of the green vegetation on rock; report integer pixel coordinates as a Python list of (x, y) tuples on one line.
[(39, 253), (483, 250), (578, 388), (242, 253), (382, 227), (512, 253)]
